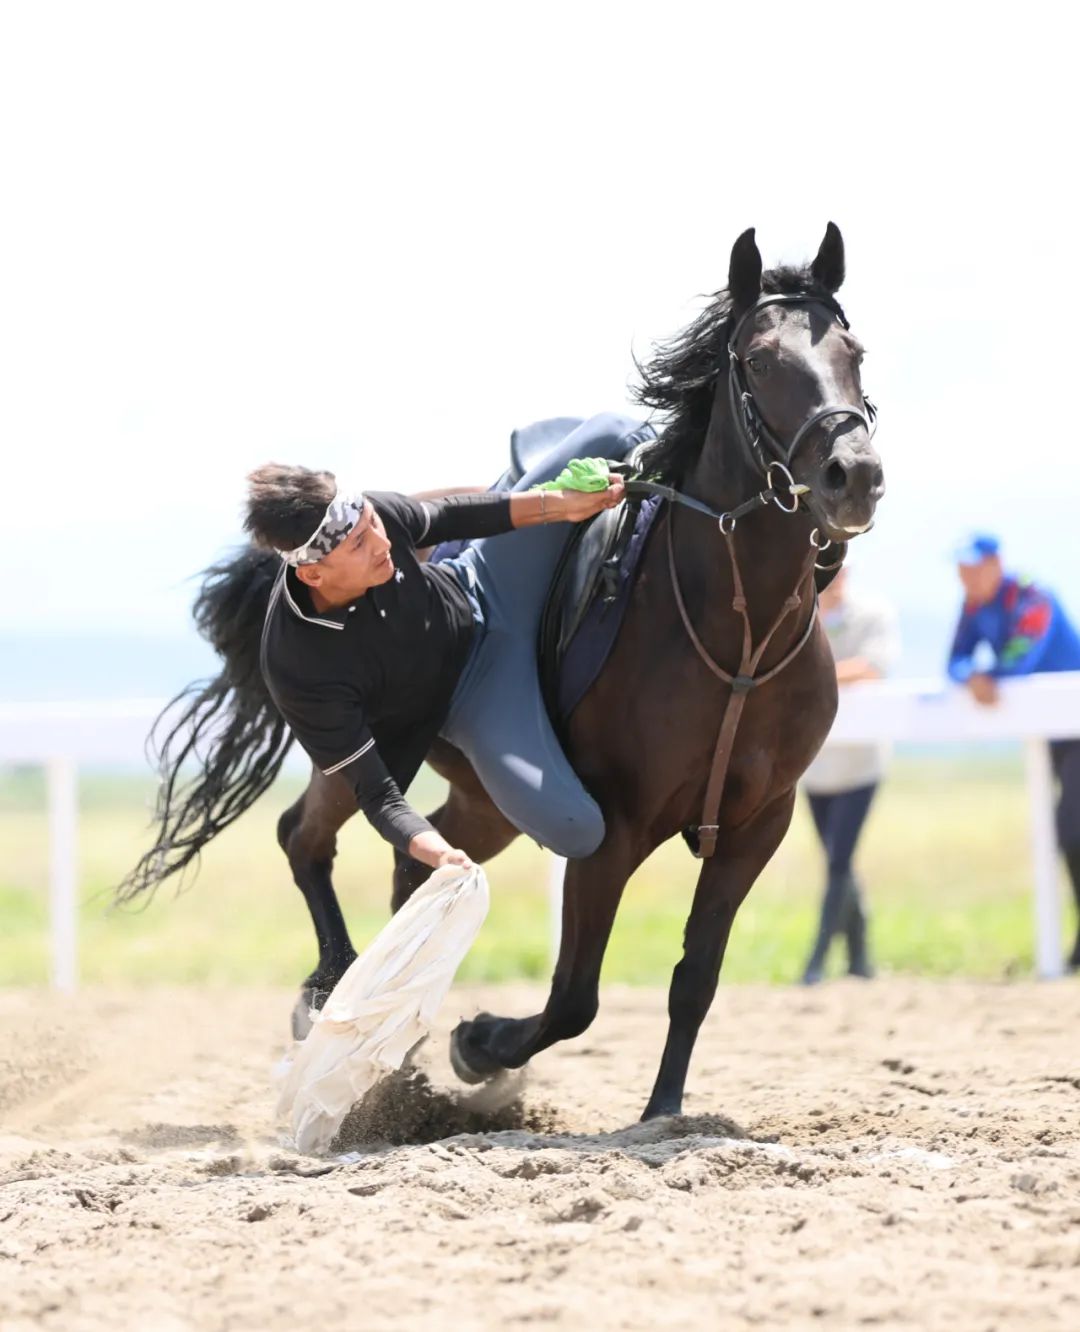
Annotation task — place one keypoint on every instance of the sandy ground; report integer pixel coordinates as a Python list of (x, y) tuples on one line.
[(901, 1154)]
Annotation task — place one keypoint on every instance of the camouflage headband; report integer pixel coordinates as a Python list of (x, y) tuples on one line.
[(342, 514)]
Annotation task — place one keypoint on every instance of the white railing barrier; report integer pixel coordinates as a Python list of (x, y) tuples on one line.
[(1033, 710), (61, 736), (556, 875)]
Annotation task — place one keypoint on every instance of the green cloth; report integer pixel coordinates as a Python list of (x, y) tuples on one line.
[(589, 474)]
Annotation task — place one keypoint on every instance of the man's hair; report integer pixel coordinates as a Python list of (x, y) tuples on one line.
[(286, 504)]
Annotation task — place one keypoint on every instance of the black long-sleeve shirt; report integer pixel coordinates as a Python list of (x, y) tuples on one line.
[(366, 687)]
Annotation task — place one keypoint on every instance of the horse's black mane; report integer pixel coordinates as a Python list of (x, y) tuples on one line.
[(679, 380)]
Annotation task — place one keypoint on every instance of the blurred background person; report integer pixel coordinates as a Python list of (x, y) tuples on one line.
[(1011, 626), (841, 782)]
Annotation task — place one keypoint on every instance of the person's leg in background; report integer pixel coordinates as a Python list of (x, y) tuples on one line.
[(855, 805), (839, 819), (831, 902), (1065, 755)]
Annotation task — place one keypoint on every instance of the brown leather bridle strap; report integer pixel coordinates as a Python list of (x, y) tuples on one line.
[(741, 683)]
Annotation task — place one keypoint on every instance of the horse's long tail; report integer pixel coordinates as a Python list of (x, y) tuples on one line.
[(229, 725)]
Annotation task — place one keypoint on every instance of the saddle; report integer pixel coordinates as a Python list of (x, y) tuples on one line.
[(591, 589), (594, 579), (530, 445), (588, 598)]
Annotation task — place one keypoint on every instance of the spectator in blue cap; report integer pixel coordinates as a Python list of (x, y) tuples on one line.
[(1020, 628)]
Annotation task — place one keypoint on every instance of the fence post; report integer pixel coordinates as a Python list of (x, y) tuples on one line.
[(1048, 960), (63, 796)]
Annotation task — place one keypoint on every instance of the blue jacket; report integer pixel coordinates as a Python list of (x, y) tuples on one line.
[(1025, 627)]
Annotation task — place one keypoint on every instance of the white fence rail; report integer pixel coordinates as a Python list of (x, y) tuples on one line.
[(1034, 710), (61, 736)]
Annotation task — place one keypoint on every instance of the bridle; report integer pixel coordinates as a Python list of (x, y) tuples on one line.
[(755, 437), (750, 423)]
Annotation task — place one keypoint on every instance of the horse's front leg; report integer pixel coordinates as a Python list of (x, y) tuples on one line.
[(593, 888), (307, 833), (723, 883)]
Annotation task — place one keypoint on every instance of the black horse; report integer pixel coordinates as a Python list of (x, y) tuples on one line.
[(721, 678)]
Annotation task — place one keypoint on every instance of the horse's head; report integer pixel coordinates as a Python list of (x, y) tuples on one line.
[(794, 386)]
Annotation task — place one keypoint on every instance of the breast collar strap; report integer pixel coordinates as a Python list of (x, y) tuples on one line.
[(702, 839)]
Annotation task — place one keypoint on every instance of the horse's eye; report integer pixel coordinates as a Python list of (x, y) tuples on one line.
[(756, 364)]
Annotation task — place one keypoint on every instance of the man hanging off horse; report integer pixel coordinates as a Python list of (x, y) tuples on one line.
[(369, 654), (714, 691), (362, 638)]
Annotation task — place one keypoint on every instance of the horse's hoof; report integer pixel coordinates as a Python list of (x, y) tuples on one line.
[(310, 997), (470, 1065)]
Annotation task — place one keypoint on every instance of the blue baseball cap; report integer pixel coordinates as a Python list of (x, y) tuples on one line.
[(979, 546)]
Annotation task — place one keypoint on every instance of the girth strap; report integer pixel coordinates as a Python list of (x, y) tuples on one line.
[(741, 683)]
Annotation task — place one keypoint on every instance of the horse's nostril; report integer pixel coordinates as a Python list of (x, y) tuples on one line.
[(879, 479), (835, 476)]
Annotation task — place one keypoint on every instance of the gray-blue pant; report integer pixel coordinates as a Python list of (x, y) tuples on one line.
[(497, 716)]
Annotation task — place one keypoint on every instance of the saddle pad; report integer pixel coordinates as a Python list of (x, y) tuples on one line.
[(570, 665), (591, 588)]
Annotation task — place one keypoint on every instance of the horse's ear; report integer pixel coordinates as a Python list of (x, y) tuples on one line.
[(828, 268), (744, 272)]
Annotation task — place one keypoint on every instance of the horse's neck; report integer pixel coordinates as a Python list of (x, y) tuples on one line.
[(770, 546)]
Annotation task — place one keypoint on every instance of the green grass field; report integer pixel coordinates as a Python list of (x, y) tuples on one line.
[(944, 856)]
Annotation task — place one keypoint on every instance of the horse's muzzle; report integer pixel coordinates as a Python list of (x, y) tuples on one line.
[(851, 483)]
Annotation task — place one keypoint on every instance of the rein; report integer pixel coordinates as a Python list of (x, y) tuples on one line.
[(727, 520), (752, 430)]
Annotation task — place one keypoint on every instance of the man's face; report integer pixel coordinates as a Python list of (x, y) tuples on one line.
[(981, 581), (361, 561)]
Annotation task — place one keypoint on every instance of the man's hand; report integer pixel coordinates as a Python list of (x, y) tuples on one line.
[(452, 857), (574, 506), (432, 849), (984, 689)]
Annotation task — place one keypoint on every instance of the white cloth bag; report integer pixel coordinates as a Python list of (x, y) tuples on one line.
[(383, 1005)]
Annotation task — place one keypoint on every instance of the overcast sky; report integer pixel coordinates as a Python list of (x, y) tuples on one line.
[(376, 238)]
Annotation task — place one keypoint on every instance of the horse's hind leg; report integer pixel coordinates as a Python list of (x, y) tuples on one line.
[(307, 833), (591, 895), (723, 883)]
